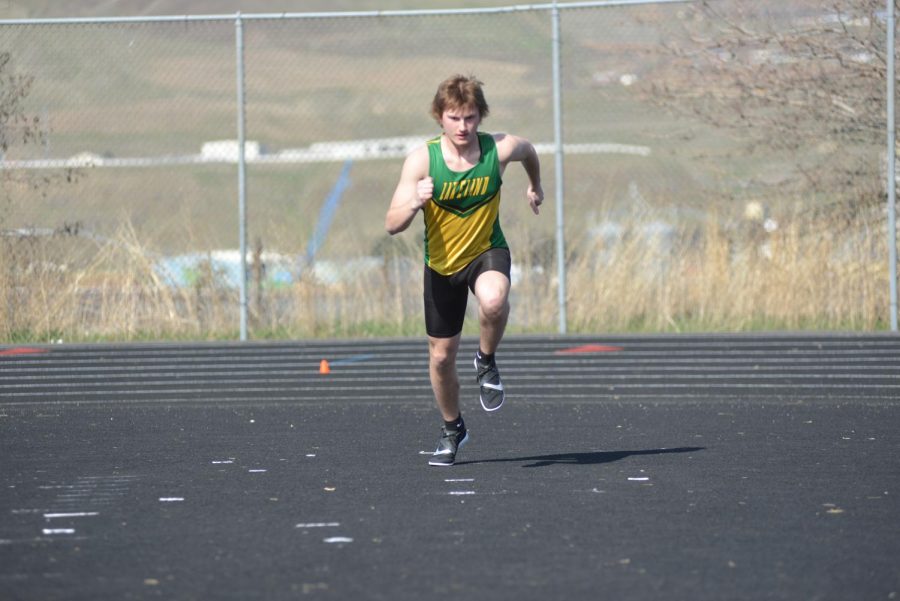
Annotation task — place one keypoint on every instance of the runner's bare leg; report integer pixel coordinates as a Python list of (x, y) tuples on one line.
[(444, 379), (492, 292)]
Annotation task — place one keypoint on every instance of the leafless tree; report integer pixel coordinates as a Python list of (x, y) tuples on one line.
[(16, 127), (20, 128), (805, 79)]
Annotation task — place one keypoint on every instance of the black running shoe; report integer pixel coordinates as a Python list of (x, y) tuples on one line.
[(448, 446), (492, 395)]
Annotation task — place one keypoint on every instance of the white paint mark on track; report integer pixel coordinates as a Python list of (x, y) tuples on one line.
[(76, 514)]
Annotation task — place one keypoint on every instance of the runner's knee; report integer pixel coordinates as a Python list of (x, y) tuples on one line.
[(494, 304), (442, 357)]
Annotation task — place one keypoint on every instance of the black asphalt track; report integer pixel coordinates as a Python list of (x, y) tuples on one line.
[(624, 468)]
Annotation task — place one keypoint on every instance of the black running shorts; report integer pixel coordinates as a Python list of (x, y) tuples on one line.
[(446, 295)]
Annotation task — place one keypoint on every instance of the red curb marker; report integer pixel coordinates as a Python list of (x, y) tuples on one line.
[(589, 348), (22, 351)]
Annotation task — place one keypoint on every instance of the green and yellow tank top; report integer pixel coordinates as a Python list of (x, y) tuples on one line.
[(463, 219)]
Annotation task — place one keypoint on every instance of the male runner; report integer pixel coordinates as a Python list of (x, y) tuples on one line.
[(455, 181)]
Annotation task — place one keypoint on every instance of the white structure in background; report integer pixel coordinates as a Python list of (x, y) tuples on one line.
[(228, 151), (86, 159), (358, 150)]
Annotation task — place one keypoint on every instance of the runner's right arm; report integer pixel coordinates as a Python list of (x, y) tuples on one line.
[(413, 190)]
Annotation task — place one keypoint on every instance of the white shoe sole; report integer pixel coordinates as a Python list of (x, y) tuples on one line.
[(481, 400), (458, 447), (485, 407)]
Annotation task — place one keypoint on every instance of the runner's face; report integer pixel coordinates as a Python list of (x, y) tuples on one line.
[(461, 125)]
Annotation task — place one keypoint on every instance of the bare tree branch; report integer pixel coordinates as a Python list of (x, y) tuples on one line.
[(786, 82)]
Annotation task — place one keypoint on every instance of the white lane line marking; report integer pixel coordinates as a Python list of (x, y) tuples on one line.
[(81, 514), (337, 539), (715, 360), (392, 399), (257, 471), (318, 525), (152, 385), (222, 462), (459, 480), (606, 385), (461, 492), (638, 479), (59, 531), (171, 499)]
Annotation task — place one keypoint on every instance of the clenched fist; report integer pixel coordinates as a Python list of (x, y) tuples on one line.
[(535, 196), (424, 191)]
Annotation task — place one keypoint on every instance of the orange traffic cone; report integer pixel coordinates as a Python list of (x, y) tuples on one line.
[(324, 368)]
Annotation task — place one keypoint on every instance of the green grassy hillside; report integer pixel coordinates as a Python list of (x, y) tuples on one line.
[(18, 9)]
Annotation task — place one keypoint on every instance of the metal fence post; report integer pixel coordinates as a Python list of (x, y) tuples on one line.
[(891, 170), (558, 167), (242, 172)]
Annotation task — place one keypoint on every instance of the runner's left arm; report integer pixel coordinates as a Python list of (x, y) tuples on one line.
[(513, 148)]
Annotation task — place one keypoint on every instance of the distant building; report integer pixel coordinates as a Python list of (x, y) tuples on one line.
[(228, 150)]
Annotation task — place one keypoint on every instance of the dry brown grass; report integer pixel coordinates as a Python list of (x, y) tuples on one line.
[(813, 272)]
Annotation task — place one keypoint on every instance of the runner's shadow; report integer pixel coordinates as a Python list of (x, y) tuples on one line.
[(586, 458)]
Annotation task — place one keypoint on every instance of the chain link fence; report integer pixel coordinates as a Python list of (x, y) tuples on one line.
[(723, 167)]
